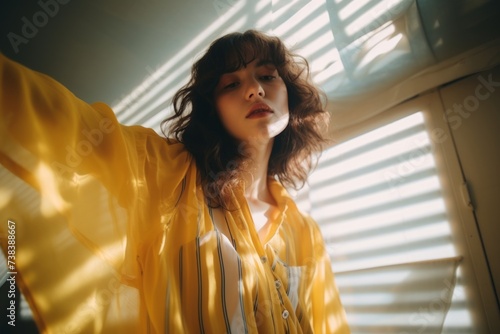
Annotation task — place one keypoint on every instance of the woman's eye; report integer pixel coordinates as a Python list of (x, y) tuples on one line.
[(268, 77), (231, 85)]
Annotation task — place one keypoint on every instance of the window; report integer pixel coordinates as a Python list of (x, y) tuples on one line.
[(380, 192), (379, 201)]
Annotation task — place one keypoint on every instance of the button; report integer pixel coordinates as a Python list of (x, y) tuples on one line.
[(285, 314), (277, 283), (263, 259)]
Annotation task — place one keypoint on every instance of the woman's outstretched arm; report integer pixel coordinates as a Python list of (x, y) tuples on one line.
[(61, 131)]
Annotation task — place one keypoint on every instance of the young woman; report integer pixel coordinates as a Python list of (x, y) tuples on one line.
[(121, 230)]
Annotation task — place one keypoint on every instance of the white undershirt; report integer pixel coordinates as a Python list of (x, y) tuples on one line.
[(260, 213)]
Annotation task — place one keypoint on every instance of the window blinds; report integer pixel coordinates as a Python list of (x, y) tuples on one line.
[(378, 200)]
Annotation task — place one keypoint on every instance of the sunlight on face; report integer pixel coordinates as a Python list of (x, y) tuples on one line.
[(252, 102)]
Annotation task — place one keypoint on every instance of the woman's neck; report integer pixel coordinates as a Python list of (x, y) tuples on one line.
[(260, 201), (255, 176)]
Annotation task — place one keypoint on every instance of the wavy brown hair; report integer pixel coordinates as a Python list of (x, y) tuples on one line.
[(219, 157)]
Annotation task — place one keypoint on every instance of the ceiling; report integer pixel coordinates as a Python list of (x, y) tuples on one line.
[(101, 50)]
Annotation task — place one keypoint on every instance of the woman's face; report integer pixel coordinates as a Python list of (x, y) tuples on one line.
[(252, 102)]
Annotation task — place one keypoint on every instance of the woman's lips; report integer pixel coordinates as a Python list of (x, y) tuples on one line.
[(259, 110)]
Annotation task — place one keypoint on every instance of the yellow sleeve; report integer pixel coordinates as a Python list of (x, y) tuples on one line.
[(327, 312), (62, 131), (81, 192)]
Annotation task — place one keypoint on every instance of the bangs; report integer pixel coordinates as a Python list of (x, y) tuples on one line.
[(237, 50), (242, 51), (233, 52)]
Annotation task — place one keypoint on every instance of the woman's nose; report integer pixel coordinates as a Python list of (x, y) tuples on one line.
[(255, 89)]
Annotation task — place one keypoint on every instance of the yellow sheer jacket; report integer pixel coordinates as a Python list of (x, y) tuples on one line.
[(113, 233)]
